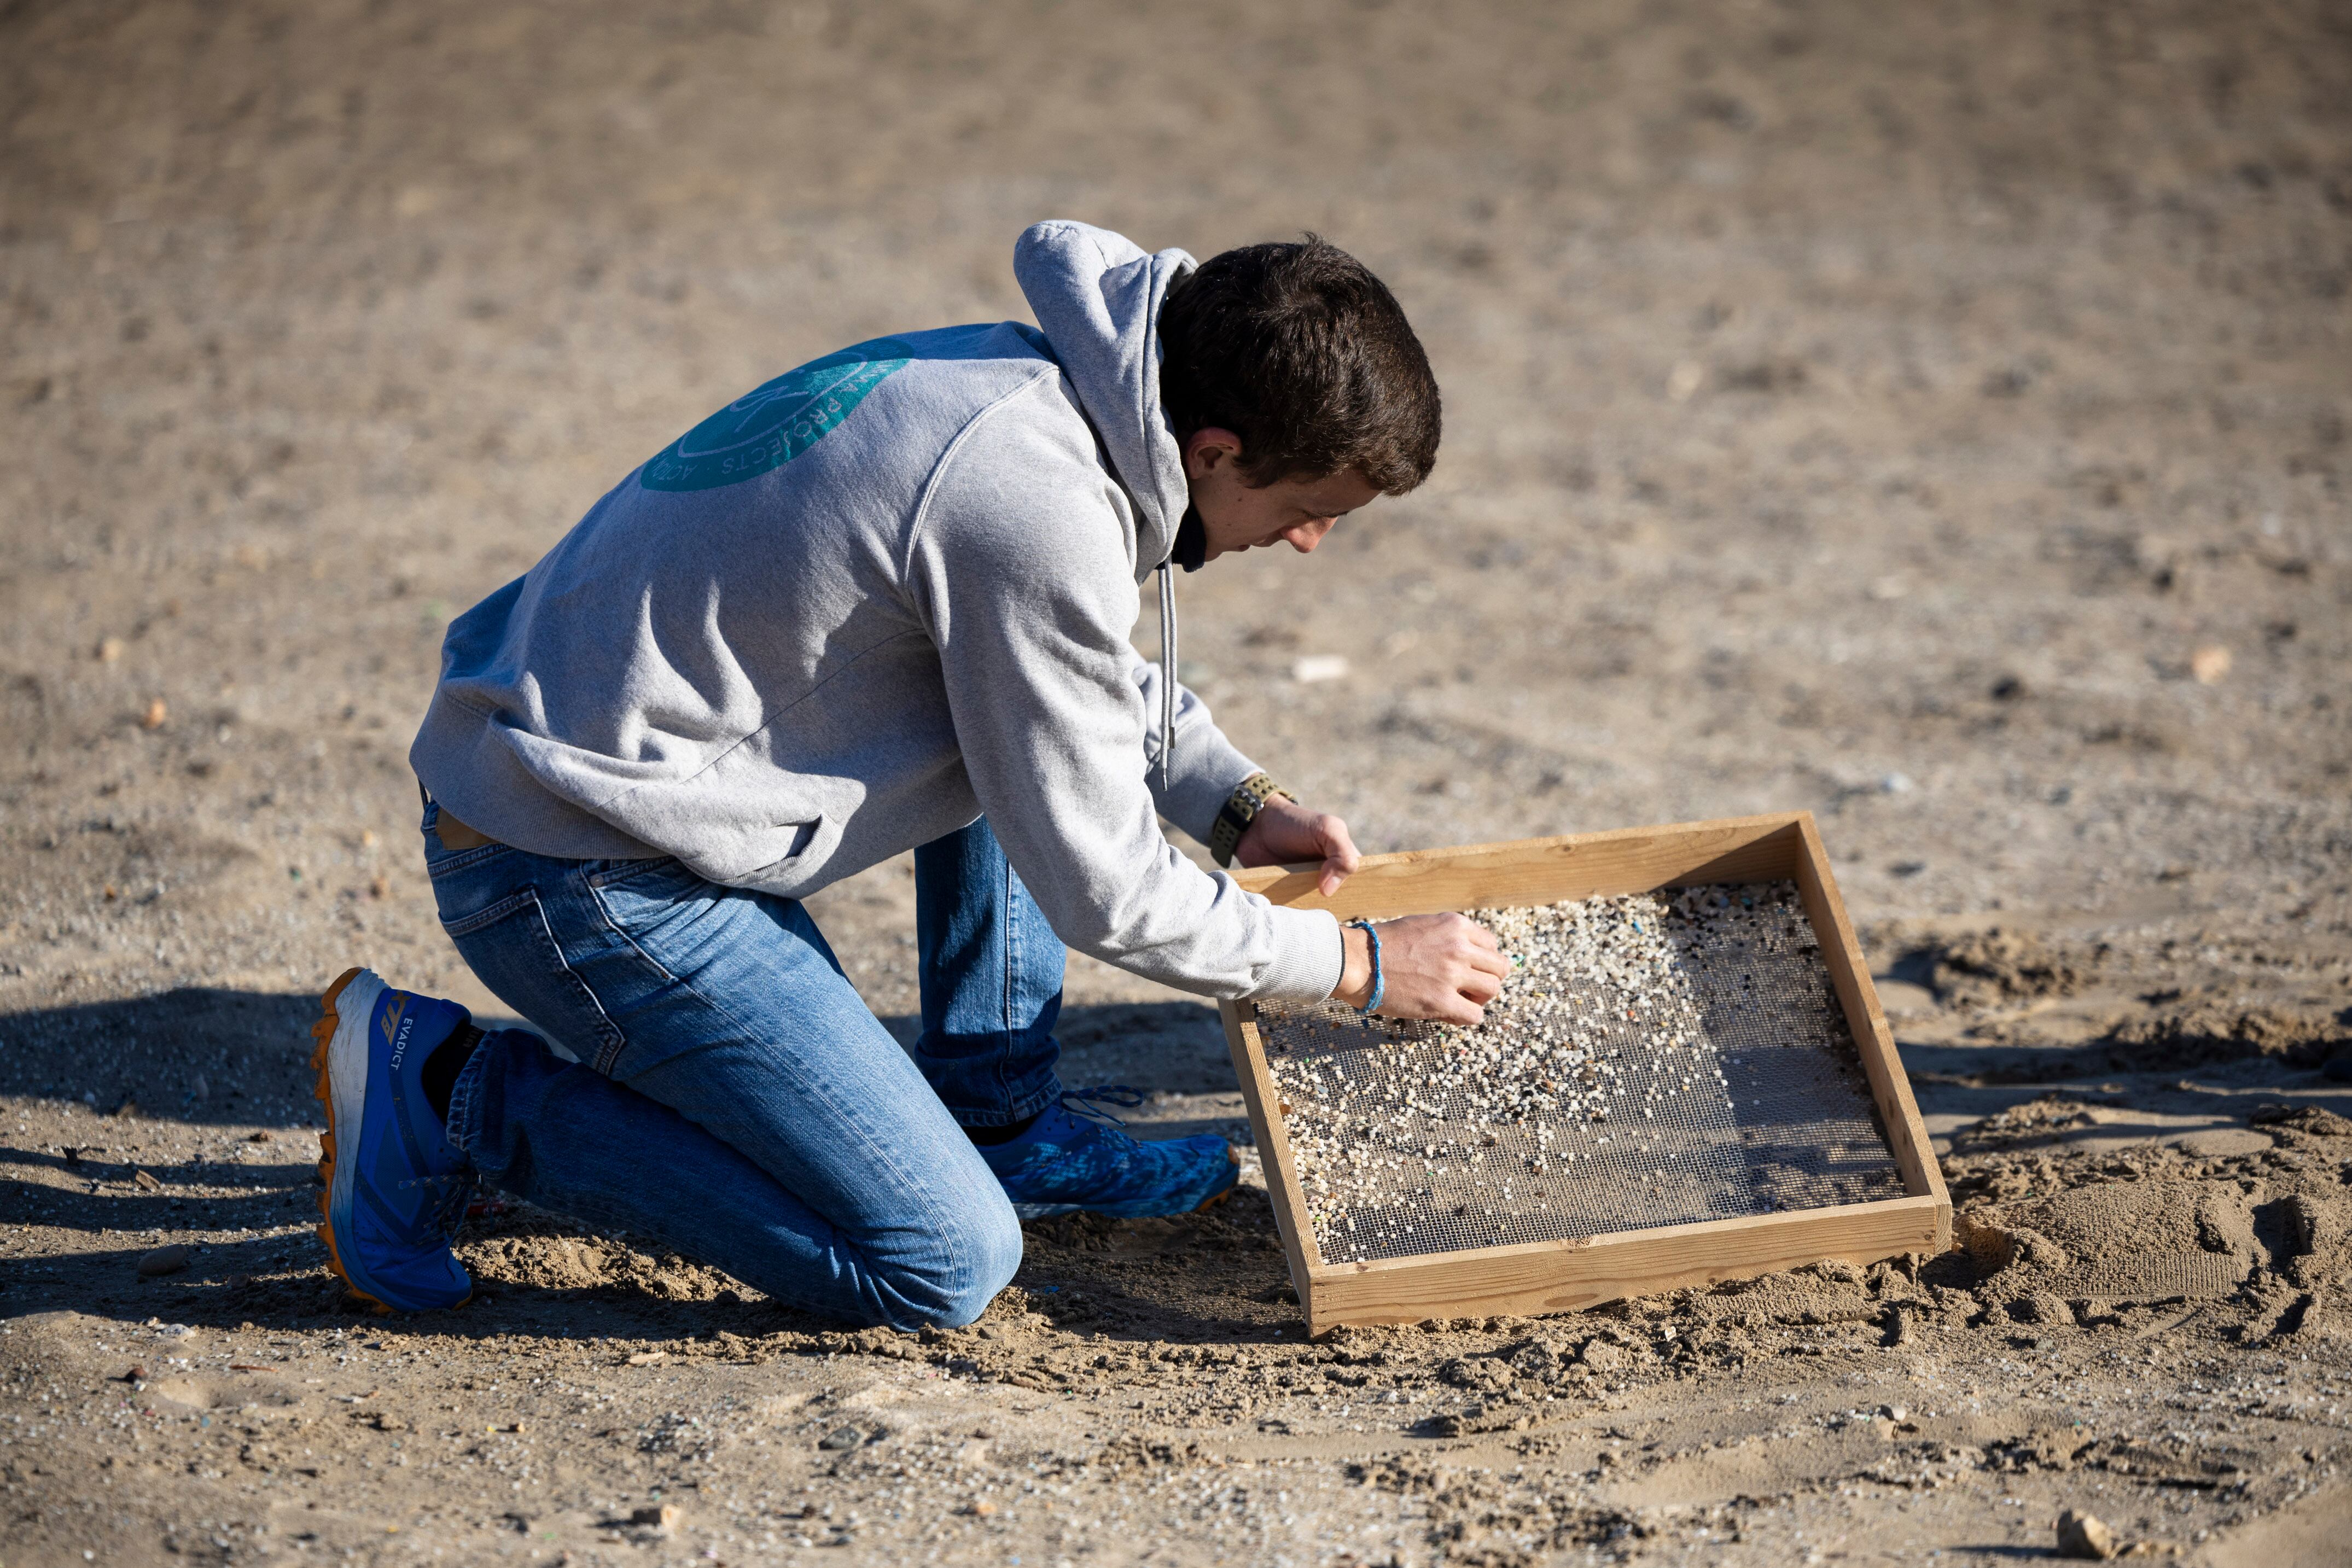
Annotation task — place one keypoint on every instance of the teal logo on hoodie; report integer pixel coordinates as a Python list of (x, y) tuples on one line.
[(761, 432)]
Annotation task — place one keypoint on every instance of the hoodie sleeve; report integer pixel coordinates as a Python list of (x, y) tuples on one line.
[(1020, 565), (1208, 767)]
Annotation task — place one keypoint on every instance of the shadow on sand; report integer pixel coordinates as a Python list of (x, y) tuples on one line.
[(195, 1123)]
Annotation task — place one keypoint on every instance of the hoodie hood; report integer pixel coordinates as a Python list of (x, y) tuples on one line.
[(1097, 296)]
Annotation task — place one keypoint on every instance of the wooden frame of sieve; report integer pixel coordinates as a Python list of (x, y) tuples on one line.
[(1534, 1278)]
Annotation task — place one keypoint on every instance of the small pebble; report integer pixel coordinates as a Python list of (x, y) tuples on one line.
[(2082, 1535), (165, 1259)]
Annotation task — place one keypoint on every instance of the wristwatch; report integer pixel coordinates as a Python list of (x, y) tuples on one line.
[(1241, 807)]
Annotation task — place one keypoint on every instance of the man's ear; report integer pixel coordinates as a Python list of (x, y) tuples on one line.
[(1207, 447)]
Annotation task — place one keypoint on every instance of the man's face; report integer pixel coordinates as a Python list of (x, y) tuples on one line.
[(1238, 515)]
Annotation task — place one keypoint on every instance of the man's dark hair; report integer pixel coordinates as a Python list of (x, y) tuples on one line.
[(1304, 354)]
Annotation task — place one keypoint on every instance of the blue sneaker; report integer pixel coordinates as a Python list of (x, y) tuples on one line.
[(1063, 1162), (395, 1185)]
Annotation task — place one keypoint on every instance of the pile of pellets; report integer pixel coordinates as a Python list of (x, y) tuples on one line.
[(1654, 1059)]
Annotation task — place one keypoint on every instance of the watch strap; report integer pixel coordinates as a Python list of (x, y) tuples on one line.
[(1234, 817)]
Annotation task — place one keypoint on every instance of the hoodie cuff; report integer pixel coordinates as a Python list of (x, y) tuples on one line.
[(1310, 956)]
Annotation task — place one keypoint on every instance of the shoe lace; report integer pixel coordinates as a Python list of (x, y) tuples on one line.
[(1090, 1102), (457, 1191)]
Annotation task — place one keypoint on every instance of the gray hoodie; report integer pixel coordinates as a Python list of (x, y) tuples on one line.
[(882, 594)]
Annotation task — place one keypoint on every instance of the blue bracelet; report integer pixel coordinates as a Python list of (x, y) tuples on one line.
[(1379, 981)]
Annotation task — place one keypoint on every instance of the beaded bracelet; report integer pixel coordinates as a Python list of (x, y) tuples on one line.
[(1379, 981)]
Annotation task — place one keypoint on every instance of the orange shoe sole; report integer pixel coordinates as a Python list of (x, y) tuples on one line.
[(323, 1031), (1206, 1204)]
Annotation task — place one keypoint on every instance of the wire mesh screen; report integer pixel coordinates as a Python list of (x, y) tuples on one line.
[(1654, 1059)]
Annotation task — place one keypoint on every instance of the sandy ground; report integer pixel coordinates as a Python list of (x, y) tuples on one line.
[(1932, 417)]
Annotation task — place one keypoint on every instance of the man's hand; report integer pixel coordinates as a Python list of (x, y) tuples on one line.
[(1443, 967), (1285, 831)]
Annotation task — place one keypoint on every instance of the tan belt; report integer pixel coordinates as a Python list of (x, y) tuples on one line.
[(454, 835)]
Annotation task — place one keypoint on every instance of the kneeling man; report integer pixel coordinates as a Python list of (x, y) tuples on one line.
[(881, 604)]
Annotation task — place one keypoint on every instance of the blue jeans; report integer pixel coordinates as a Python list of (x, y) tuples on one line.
[(731, 1097)]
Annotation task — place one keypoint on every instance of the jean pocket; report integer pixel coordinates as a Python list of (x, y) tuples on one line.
[(466, 926), (664, 911), (512, 950)]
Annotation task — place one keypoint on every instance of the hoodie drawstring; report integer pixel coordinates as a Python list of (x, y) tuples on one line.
[(1167, 668)]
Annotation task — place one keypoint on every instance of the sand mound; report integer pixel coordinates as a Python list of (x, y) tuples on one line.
[(1997, 967), (2045, 1120), (564, 1262), (2202, 1031), (2121, 1242), (2314, 1120)]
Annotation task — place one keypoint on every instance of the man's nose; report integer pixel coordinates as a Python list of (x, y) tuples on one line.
[(1306, 535)]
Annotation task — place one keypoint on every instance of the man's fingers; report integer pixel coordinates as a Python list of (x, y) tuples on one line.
[(1447, 1010), (1442, 966), (1482, 987), (1481, 950), (1339, 856)]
